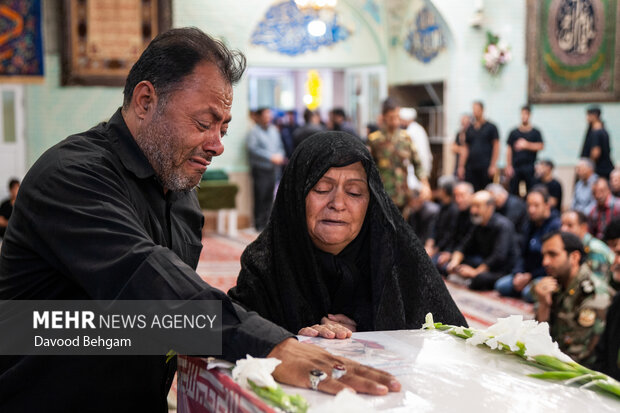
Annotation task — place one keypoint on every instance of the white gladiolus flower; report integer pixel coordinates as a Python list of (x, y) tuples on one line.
[(430, 323), (256, 369)]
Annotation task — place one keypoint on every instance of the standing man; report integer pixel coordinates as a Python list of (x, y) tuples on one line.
[(570, 298), (311, 126), (522, 146), (266, 154), (409, 116), (6, 208), (338, 122), (478, 162), (544, 176), (458, 146), (393, 151), (596, 144), (112, 214)]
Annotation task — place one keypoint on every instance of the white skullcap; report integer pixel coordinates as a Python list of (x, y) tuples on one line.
[(408, 114)]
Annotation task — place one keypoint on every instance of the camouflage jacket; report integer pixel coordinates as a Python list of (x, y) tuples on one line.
[(578, 315), (393, 154), (600, 259)]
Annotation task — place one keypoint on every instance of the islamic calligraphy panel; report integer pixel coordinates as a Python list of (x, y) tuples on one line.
[(21, 45), (103, 38), (284, 29), (572, 50), (425, 38)]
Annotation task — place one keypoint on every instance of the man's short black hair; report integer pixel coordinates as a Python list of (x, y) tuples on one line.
[(259, 111), (308, 115), (389, 105), (594, 110), (581, 217), (13, 182), (612, 231), (548, 162), (339, 112), (542, 190), (173, 55), (479, 103), (571, 243), (527, 108)]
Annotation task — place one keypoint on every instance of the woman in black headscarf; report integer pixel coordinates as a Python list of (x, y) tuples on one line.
[(336, 244)]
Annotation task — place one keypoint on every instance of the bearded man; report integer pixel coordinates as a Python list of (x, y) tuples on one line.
[(111, 214)]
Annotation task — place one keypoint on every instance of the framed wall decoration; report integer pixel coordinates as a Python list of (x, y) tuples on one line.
[(573, 50), (21, 42), (104, 38)]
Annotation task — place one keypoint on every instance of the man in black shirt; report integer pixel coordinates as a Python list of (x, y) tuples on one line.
[(488, 252), (523, 144), (478, 161), (544, 176), (112, 214), (510, 206), (442, 233), (421, 214), (463, 192), (596, 145), (6, 208)]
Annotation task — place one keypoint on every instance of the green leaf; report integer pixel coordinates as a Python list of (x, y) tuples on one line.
[(553, 362), (277, 397), (556, 375), (613, 388)]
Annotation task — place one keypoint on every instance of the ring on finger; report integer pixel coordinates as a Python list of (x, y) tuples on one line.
[(316, 376), (338, 371)]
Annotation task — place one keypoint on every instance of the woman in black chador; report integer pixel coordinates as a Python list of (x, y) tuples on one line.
[(337, 253)]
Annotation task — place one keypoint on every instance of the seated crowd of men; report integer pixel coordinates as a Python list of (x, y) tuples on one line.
[(494, 240)]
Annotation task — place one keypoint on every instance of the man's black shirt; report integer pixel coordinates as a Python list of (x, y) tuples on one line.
[(516, 211), (423, 221), (480, 142), (92, 222), (600, 138), (444, 226), (494, 243), (523, 157), (555, 190), (462, 229)]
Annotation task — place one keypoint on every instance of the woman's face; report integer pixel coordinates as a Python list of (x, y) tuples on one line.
[(336, 207)]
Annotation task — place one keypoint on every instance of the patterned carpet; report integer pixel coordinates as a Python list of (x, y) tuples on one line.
[(219, 266)]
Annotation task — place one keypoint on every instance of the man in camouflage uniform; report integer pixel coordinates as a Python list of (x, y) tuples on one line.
[(393, 151), (571, 298), (599, 256)]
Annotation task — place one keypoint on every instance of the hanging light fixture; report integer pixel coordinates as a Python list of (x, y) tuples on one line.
[(323, 9), (316, 4)]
